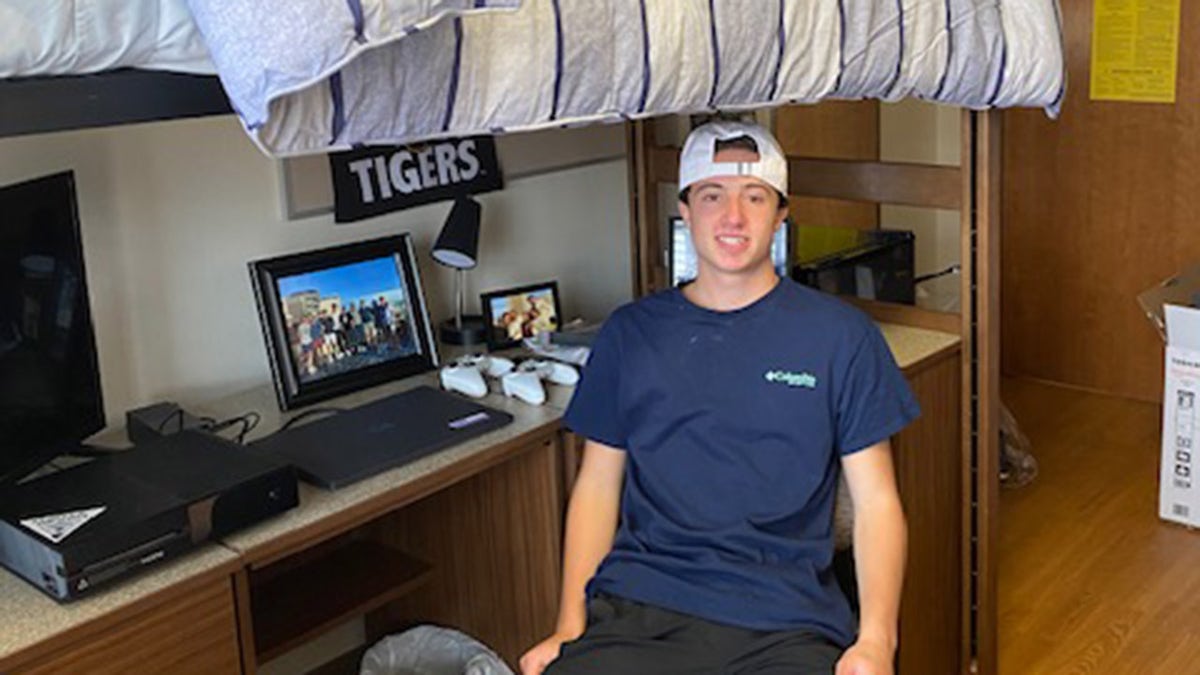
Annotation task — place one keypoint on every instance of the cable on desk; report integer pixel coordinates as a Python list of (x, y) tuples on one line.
[(248, 421), (953, 269), (311, 412)]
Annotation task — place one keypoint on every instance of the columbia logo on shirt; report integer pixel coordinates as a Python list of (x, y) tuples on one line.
[(805, 379)]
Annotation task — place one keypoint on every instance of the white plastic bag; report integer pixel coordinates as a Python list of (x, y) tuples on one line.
[(431, 650)]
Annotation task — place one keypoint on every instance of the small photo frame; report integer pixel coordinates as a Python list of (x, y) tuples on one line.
[(516, 313), (344, 318)]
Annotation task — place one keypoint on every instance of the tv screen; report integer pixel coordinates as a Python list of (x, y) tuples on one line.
[(50, 396), (682, 254)]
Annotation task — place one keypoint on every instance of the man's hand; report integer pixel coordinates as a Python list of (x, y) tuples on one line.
[(865, 658), (542, 654)]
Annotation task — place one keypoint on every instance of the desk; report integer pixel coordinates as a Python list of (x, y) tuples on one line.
[(482, 517), (479, 539), (470, 537)]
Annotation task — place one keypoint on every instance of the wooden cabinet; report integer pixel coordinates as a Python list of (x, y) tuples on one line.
[(195, 632), (494, 544), (481, 555), (354, 577), (930, 476)]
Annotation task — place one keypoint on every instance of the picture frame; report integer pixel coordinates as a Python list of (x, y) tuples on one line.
[(511, 314), (343, 318)]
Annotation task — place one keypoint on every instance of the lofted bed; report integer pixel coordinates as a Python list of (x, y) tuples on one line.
[(321, 76), (73, 65), (317, 77)]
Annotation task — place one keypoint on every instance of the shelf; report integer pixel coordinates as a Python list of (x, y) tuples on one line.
[(346, 664), (311, 598), (936, 186), (43, 104)]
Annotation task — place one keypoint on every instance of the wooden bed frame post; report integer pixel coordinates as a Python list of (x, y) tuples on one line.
[(980, 242), (643, 193)]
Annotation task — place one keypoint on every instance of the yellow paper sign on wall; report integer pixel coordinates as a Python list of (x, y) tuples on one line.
[(1135, 49)]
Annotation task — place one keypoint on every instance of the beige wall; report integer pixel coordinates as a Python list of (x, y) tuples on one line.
[(916, 131), (171, 212)]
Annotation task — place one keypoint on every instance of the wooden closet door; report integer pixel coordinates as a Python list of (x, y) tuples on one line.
[(1098, 206)]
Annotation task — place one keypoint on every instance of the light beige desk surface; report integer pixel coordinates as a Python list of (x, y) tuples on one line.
[(30, 617), (911, 345)]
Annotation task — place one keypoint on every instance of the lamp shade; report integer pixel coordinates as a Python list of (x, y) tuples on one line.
[(457, 244)]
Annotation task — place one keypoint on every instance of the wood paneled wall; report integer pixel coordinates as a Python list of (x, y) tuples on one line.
[(833, 130), (1098, 206)]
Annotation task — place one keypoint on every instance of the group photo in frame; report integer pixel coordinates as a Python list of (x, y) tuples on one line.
[(513, 314), (343, 318)]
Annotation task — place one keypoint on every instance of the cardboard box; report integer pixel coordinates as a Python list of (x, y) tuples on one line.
[(1173, 307)]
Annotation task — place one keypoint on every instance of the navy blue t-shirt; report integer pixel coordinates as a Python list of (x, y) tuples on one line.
[(733, 424)]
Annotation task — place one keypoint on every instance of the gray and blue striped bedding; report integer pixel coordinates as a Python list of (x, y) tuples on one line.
[(321, 75)]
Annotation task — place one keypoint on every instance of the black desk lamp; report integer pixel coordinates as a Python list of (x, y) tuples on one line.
[(456, 247)]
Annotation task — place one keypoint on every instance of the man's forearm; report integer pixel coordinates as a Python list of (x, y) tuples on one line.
[(591, 525), (880, 547)]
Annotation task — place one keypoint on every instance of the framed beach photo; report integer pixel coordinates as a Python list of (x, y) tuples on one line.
[(514, 314), (341, 319)]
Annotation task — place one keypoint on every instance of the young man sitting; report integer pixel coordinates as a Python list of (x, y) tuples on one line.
[(718, 416)]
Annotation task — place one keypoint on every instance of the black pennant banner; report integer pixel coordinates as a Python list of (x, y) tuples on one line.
[(379, 179)]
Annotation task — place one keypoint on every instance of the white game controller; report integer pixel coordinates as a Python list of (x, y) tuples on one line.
[(554, 371), (525, 382), (465, 374), (525, 386), (465, 380)]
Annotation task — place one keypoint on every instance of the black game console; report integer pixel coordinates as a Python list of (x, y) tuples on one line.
[(76, 529)]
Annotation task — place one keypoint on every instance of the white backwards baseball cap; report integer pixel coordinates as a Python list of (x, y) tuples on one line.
[(697, 161)]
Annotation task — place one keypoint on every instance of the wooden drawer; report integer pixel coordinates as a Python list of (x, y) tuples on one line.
[(194, 633)]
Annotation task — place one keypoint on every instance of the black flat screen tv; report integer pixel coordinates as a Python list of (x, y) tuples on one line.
[(50, 398)]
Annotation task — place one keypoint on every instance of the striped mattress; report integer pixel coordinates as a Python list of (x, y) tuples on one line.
[(313, 76)]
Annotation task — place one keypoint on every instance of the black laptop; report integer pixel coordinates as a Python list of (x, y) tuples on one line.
[(346, 447)]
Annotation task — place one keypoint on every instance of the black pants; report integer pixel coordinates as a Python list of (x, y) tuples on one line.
[(629, 638)]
